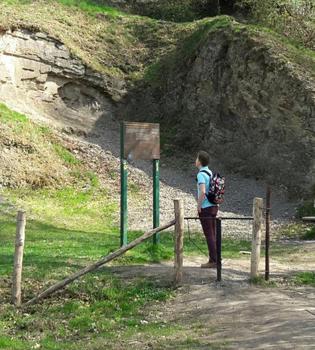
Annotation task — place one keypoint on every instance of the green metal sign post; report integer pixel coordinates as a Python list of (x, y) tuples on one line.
[(124, 190), (139, 141), (156, 198)]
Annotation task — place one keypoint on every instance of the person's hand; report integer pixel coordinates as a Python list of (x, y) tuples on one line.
[(199, 209)]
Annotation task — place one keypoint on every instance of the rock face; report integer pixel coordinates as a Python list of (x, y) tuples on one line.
[(237, 99), (234, 96), (40, 77)]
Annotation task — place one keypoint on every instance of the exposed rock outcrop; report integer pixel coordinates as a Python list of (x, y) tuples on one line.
[(40, 77), (249, 108), (234, 95)]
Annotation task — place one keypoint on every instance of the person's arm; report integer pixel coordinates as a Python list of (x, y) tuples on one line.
[(202, 190), (202, 195)]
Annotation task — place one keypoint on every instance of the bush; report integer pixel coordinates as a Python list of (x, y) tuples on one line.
[(175, 10), (307, 209), (292, 18)]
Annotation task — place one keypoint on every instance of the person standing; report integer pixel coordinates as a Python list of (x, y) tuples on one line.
[(206, 209)]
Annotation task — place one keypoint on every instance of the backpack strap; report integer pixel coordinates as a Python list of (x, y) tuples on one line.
[(209, 173), (206, 172)]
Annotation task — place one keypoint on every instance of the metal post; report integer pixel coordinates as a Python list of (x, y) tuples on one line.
[(123, 190), (156, 198), (219, 247), (267, 240)]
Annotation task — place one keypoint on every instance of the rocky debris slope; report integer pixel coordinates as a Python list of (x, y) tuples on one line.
[(177, 181), (249, 100)]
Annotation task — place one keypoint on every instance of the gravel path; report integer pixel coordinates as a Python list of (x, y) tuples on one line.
[(178, 181)]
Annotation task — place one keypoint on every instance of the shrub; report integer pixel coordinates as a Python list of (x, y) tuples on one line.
[(292, 18)]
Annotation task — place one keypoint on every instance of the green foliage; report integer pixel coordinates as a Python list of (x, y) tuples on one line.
[(309, 234), (297, 230), (91, 7), (175, 10), (294, 19), (100, 306), (65, 155), (7, 115), (307, 209), (305, 278), (158, 71), (260, 281)]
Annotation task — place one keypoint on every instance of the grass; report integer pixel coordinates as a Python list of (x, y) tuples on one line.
[(112, 42), (307, 209), (155, 73), (125, 46), (305, 278), (297, 231), (9, 116), (90, 7), (65, 155), (35, 157), (97, 307), (309, 234), (68, 228)]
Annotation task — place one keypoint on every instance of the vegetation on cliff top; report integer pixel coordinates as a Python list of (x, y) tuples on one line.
[(124, 46)]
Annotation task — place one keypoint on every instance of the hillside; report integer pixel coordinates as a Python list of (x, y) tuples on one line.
[(70, 72), (247, 92)]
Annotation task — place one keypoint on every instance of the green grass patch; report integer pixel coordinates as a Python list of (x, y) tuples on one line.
[(99, 306), (260, 281), (305, 278), (155, 73), (309, 234), (65, 155), (307, 209), (92, 7), (296, 231), (7, 115)]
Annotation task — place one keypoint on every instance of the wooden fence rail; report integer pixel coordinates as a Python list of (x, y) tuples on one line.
[(96, 265)]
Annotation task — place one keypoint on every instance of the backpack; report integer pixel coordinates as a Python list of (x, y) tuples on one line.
[(216, 188)]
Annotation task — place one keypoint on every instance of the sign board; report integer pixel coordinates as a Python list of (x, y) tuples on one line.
[(141, 141)]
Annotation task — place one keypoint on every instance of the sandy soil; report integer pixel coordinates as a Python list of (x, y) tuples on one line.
[(232, 314)]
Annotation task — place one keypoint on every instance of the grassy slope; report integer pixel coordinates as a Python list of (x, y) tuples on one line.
[(111, 42), (125, 46), (68, 227)]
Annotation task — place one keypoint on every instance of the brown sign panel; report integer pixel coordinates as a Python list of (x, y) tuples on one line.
[(141, 141)]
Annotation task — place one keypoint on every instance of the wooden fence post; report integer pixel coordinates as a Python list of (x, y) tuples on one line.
[(179, 240), (256, 238), (18, 258)]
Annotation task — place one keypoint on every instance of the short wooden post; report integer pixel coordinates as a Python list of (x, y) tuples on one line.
[(18, 258), (256, 238), (179, 240)]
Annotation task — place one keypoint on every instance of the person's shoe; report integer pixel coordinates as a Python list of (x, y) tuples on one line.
[(209, 265)]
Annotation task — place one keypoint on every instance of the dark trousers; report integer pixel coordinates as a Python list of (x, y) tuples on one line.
[(209, 230)]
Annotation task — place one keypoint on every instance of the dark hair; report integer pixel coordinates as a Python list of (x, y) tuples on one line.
[(203, 158)]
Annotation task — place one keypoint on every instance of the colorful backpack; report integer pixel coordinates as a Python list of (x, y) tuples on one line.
[(216, 188)]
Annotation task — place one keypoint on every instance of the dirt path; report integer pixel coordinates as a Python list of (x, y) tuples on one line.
[(232, 314)]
